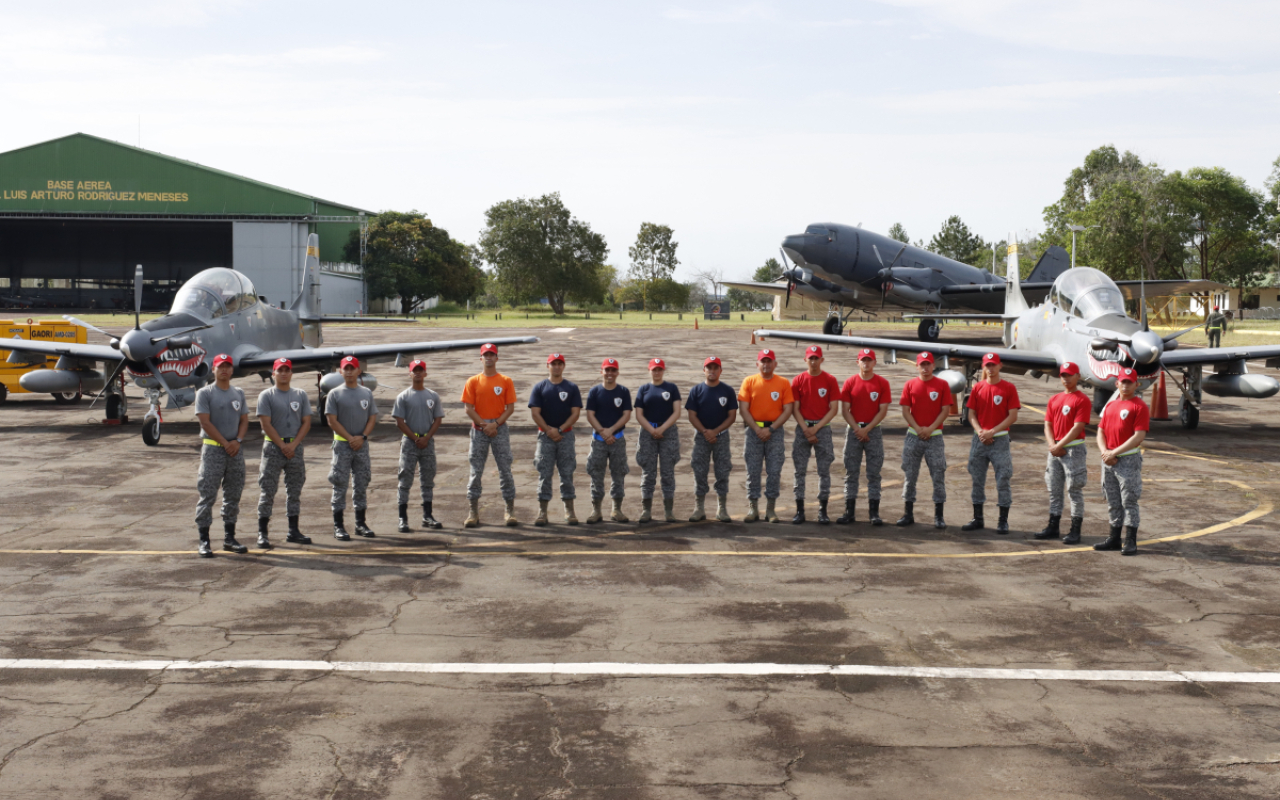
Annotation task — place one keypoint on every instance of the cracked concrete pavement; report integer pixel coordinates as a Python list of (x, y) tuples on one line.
[(628, 593)]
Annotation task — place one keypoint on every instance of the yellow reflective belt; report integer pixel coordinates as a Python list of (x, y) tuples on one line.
[(912, 431), (212, 442), (1002, 433), (1075, 443), (338, 438), (416, 435), (1131, 452)]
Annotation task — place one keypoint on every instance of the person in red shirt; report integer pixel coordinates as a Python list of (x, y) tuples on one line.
[(817, 398), (1121, 432), (926, 401), (992, 408), (865, 402), (1066, 466)]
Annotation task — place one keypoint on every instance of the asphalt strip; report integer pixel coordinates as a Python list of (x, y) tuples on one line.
[(654, 670)]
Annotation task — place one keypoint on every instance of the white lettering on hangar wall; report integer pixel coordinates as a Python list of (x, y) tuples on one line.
[(91, 190)]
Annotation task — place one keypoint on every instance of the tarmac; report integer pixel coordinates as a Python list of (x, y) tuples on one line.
[(669, 660)]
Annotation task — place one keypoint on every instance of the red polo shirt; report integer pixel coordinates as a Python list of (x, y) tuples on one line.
[(814, 394), (865, 397), (1065, 410), (992, 402), (926, 400), (1121, 418)]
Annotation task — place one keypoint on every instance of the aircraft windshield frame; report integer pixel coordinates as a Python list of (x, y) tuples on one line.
[(214, 292), (1089, 293)]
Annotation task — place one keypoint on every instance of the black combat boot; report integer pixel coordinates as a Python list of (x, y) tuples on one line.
[(229, 542), (1051, 531), (429, 521), (205, 550), (823, 519), (1002, 524), (403, 527), (1073, 535), (977, 523), (340, 528), (938, 521), (361, 528), (262, 533), (1130, 542), (799, 517), (295, 535), (848, 517), (908, 515), (1112, 542), (873, 512)]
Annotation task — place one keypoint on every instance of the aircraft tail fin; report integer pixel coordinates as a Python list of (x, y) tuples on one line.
[(1053, 263), (307, 303), (1014, 302)]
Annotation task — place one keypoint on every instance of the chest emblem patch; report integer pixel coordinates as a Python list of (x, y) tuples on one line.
[(235, 404), (617, 402), (497, 390), (1124, 414), (822, 393), (564, 396), (933, 395), (724, 401), (364, 404), (999, 399), (774, 395), (295, 405), (1066, 410), (875, 395), (666, 395), (431, 404)]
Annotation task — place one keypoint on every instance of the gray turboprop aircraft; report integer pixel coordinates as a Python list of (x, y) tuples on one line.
[(214, 312), (852, 269), (1083, 320)]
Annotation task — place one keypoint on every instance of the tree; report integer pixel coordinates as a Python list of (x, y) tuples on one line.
[(407, 257), (712, 277), (538, 249), (898, 233), (653, 257), (768, 272), (956, 242), (1227, 219)]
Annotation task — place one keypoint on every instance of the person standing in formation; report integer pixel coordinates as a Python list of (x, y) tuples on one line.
[(712, 408), (766, 403), (224, 419), (418, 413), (1066, 465), (865, 400), (608, 411), (926, 402), (817, 402), (554, 404), (1121, 432), (657, 407), (489, 399), (352, 413), (993, 408), (285, 416)]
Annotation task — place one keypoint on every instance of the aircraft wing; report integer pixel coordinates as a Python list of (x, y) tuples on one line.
[(330, 356), (88, 352), (1028, 359), (751, 286), (1132, 290), (1220, 355)]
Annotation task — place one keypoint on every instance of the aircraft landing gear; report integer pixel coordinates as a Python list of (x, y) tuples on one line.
[(971, 374), (66, 398), (1188, 411), (834, 326), (929, 330), (1100, 398), (324, 420), (151, 422)]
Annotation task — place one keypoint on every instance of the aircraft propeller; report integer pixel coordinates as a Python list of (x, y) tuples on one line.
[(790, 277)]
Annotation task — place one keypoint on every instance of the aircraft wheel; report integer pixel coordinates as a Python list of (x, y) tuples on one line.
[(151, 431), (4, 392), (113, 406), (833, 326), (928, 330), (324, 420), (66, 398), (1190, 416), (964, 413)]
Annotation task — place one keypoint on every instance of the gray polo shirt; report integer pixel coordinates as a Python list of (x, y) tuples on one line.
[(223, 407), (418, 409), (352, 407), (285, 410)]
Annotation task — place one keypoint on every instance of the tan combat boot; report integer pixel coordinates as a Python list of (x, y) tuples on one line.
[(667, 510), (646, 511), (617, 515), (699, 509), (722, 508), (473, 517), (511, 514), (753, 511), (542, 514), (770, 514), (596, 516), (570, 518)]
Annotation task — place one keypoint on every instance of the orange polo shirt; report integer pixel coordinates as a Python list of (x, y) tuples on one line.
[(765, 399), (490, 396)]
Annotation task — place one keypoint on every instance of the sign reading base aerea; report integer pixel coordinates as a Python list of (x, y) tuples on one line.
[(715, 309)]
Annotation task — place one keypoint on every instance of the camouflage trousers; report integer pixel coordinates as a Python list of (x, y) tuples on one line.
[(217, 469), (701, 457), (1215, 338), (996, 455), (1070, 473), (934, 453), (270, 466), (1122, 486), (770, 455), (416, 459), (549, 456), (614, 458), (500, 446), (825, 450), (854, 451), (345, 465), (658, 456)]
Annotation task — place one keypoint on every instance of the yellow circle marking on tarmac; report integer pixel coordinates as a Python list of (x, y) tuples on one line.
[(1261, 510)]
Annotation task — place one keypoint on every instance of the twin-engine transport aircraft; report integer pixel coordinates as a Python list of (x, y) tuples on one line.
[(852, 269), (215, 312), (1083, 320)]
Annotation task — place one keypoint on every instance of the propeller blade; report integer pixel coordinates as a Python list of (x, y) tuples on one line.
[(1173, 336), (84, 324), (137, 297), (155, 370), (1142, 299), (160, 339), (790, 283)]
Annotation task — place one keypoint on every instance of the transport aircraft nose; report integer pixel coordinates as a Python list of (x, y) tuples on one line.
[(793, 246)]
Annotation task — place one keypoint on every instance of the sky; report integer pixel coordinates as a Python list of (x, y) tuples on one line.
[(733, 123)]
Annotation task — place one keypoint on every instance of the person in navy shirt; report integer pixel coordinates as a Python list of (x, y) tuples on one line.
[(712, 409), (608, 411), (658, 448), (555, 404)]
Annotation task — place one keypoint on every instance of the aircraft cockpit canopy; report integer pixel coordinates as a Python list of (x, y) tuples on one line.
[(213, 293), (1087, 293)]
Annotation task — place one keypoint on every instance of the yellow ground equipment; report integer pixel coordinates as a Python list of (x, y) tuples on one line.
[(66, 385)]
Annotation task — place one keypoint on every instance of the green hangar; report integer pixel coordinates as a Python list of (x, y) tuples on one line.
[(78, 213)]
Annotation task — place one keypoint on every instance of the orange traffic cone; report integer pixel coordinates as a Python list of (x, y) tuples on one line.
[(695, 323), (753, 337), (1160, 400)]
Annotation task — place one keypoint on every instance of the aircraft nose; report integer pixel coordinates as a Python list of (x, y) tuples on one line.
[(794, 245), (1146, 347), (136, 345)]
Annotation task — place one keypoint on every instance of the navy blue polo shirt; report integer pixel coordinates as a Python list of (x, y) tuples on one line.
[(608, 404), (556, 401), (657, 401), (712, 404)]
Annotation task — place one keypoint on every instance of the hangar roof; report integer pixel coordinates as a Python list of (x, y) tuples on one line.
[(83, 174)]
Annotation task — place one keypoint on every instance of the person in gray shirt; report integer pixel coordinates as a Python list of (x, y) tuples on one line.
[(285, 416), (224, 420), (351, 412), (418, 415)]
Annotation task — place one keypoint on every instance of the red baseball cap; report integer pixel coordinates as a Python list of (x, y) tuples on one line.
[(766, 353), (657, 363), (811, 351), (281, 362), (1069, 368), (488, 347), (867, 352), (991, 358), (924, 356), (1127, 374), (1215, 308), (554, 357), (712, 360), (352, 360), (417, 362), (609, 363), (222, 358)]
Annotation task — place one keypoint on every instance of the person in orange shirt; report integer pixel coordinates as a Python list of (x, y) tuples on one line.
[(490, 399), (765, 402)]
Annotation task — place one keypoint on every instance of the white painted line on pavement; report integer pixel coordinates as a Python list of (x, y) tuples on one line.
[(660, 670)]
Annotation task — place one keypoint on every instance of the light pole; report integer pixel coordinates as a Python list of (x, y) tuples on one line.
[(1074, 230)]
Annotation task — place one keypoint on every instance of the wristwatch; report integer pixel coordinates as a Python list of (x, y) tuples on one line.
[(239, 440)]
